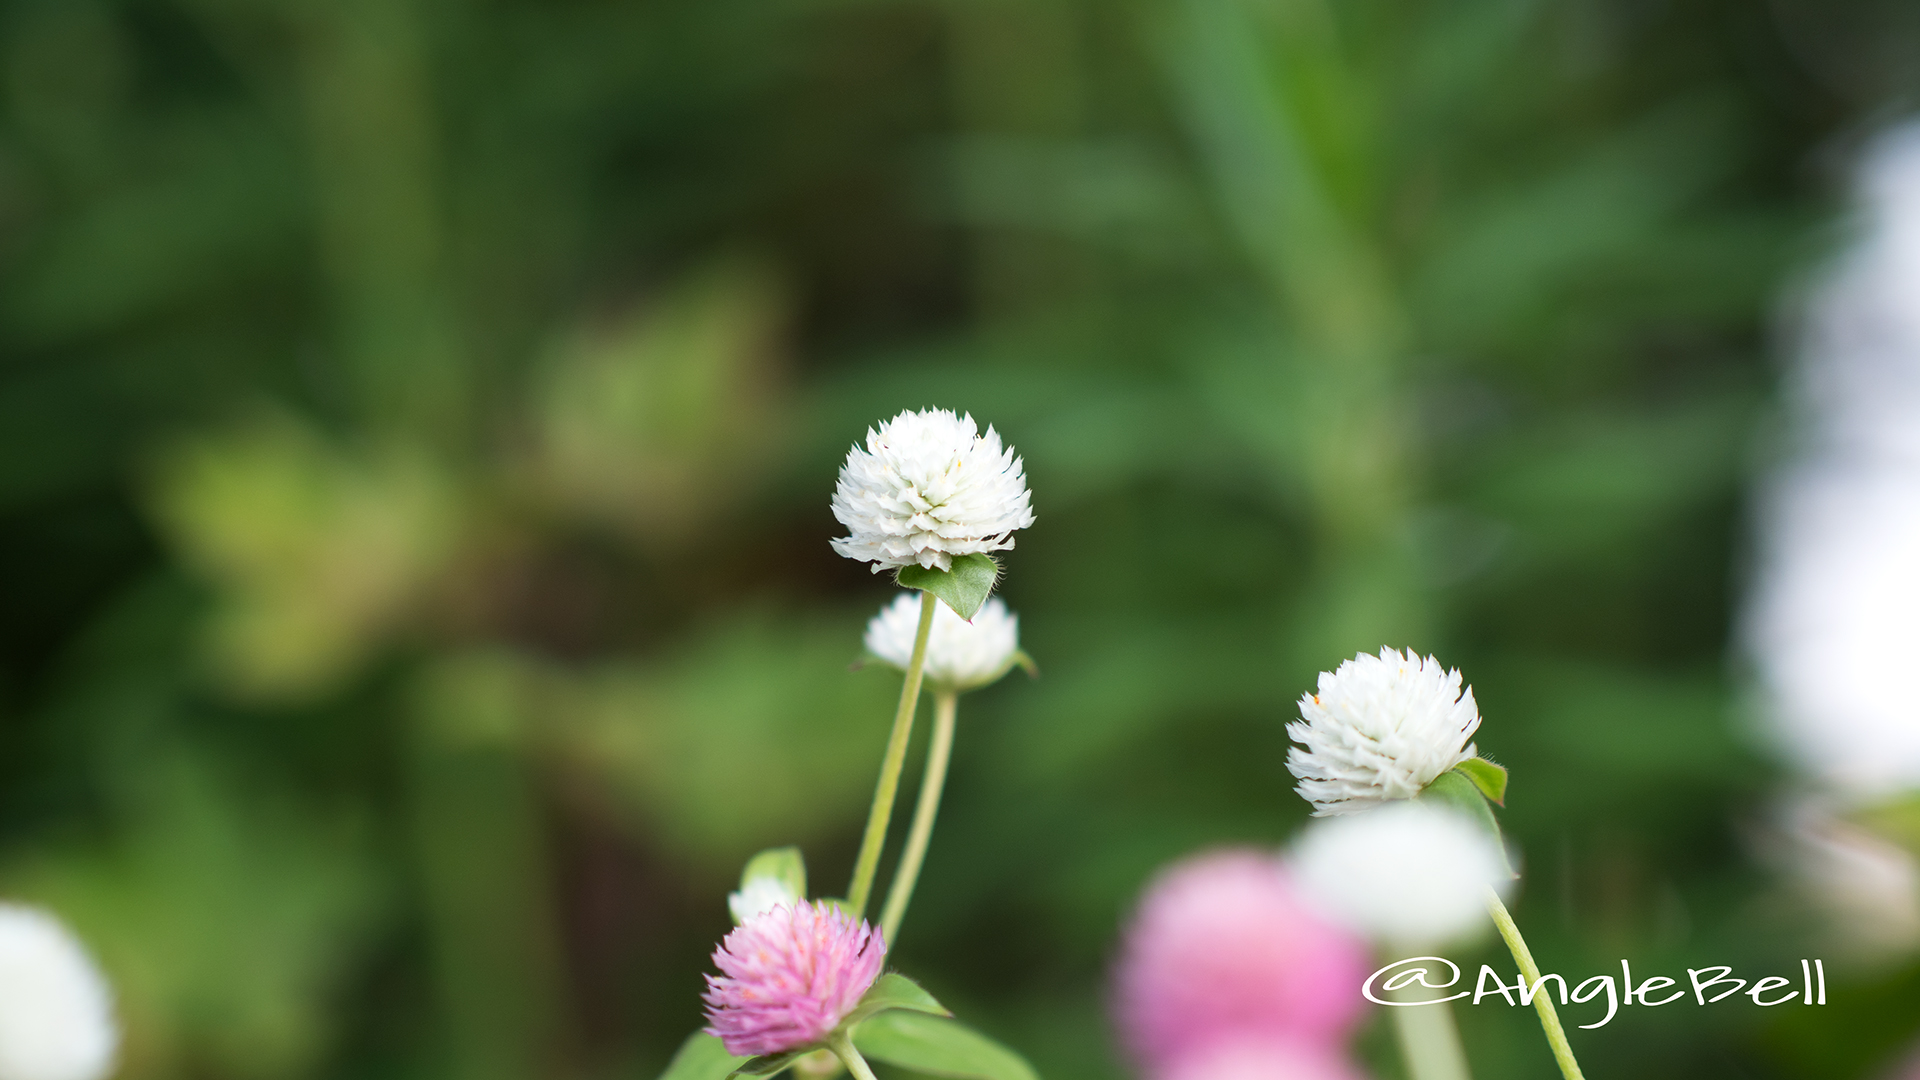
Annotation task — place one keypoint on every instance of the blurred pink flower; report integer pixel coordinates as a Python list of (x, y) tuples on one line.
[(1222, 948), (1262, 1059), (788, 977)]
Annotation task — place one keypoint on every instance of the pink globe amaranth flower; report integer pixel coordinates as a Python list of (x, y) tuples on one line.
[(1262, 1059), (789, 976), (1223, 948)]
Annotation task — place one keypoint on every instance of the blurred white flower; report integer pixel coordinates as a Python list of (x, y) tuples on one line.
[(1380, 728), (1831, 620), (56, 1010), (961, 655), (928, 487), (1411, 874), (759, 896)]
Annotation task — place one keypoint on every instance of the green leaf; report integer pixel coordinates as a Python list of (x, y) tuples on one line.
[(1491, 779), (702, 1057), (939, 1046), (1455, 789), (768, 1064), (784, 864), (894, 991), (964, 588)]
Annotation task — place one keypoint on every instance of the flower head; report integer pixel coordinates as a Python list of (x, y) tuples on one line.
[(1409, 874), (1262, 1059), (961, 655), (928, 487), (1380, 728), (1224, 946), (56, 1010), (789, 976)]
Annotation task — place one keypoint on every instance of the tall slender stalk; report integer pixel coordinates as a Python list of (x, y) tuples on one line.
[(1549, 1020), (1429, 1042), (896, 757), (945, 704)]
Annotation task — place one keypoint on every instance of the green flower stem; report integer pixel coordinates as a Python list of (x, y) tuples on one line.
[(945, 704), (889, 786), (842, 1045), (1549, 1020), (1429, 1042)]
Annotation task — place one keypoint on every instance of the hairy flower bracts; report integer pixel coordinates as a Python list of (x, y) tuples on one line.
[(789, 976)]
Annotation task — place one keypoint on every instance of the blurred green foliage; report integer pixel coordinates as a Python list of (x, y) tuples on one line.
[(418, 417)]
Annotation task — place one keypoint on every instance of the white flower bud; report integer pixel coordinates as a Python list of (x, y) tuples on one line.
[(759, 896), (961, 655)]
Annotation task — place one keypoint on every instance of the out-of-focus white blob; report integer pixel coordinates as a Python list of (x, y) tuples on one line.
[(1407, 875), (1834, 619), (56, 1009), (1866, 888)]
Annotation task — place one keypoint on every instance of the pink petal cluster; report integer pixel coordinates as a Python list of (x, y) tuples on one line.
[(1223, 951), (1263, 1059), (789, 976)]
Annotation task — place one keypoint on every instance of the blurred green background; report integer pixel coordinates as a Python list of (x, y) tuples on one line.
[(418, 417)]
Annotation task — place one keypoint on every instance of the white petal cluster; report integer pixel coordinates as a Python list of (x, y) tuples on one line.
[(56, 1010), (928, 487), (961, 655), (1411, 874), (1831, 622), (1380, 728), (759, 896)]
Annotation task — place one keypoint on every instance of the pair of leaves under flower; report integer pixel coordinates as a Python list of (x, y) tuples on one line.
[(896, 1022), (964, 588)]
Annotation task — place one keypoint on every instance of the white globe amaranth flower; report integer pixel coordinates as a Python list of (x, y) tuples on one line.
[(961, 655), (929, 487), (56, 1010), (759, 896), (1380, 728), (1412, 874)]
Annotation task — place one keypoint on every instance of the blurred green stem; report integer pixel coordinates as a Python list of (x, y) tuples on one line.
[(483, 875), (945, 704), (1549, 1020), (889, 786), (374, 140), (843, 1046), (1429, 1042)]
